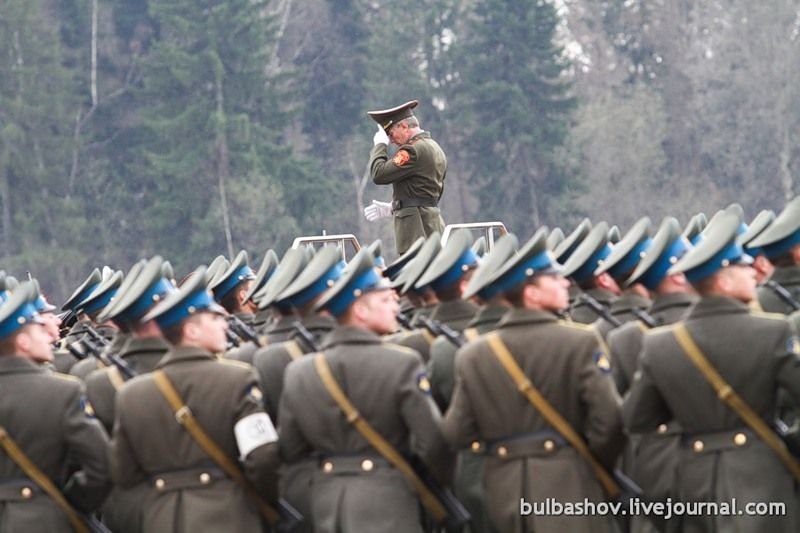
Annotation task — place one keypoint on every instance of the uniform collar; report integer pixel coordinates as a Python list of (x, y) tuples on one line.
[(10, 364), (184, 354), (520, 317), (283, 324), (787, 275), (350, 335), (421, 135), (453, 310), (319, 323), (138, 345), (628, 301), (717, 305), (489, 314), (674, 299)]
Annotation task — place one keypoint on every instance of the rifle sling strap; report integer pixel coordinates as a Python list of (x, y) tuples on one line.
[(728, 396), (553, 417), (428, 499), (41, 479), (186, 419)]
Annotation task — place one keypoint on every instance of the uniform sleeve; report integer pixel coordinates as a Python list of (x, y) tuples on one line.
[(644, 407), (256, 439), (603, 429), (125, 469), (440, 372), (460, 426), (424, 419), (788, 363), (385, 171), (292, 441), (88, 447)]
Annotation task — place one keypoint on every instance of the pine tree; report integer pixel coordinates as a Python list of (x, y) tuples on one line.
[(512, 105)]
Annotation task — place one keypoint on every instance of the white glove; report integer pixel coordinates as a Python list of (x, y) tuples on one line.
[(378, 210), (380, 137)]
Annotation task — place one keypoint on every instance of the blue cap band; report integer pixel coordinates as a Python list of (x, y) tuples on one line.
[(538, 263), (658, 270), (779, 248), (731, 254), (358, 286), (467, 260), (198, 301), (24, 315), (83, 295), (99, 303), (586, 271), (154, 294), (242, 273), (318, 287), (624, 267)]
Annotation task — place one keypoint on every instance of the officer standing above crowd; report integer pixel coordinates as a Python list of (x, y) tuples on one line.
[(208, 422), (54, 462), (529, 457), (356, 488), (416, 173), (718, 374), (780, 243)]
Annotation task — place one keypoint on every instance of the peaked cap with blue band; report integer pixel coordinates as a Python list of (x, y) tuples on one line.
[(319, 275), (40, 303), (216, 269), (532, 259), (108, 311), (360, 276), (627, 252), (587, 257), (718, 249), (18, 310), (265, 272), (292, 263), (784, 232), (83, 290), (482, 283), (102, 295), (237, 272), (555, 238), (148, 289), (568, 245), (396, 266), (694, 228), (668, 246), (407, 279), (451, 263), (376, 249), (193, 297), (754, 229)]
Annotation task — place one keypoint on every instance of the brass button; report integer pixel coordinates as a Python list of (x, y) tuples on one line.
[(476, 446), (740, 439), (205, 478), (662, 428), (502, 451), (367, 465), (26, 493), (160, 484), (698, 446), (549, 445), (327, 467)]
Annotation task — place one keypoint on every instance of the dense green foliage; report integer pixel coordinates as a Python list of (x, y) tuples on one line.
[(190, 129)]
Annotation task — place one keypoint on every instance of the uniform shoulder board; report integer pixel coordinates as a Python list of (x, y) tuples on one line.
[(576, 325), (67, 377), (401, 348), (767, 314), (661, 329), (233, 362)]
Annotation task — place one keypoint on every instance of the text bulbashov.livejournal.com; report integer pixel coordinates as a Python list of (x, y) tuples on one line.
[(636, 507)]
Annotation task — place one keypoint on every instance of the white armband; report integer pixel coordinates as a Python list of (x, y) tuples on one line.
[(253, 431)]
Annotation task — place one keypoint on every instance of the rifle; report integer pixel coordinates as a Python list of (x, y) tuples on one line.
[(242, 330), (600, 309), (108, 359), (306, 336), (783, 293), (404, 321), (438, 328), (457, 515), (645, 317)]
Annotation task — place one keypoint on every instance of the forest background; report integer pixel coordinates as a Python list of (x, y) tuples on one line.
[(192, 128)]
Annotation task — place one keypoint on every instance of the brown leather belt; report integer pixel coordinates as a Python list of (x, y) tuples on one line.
[(539, 444), (718, 440), (186, 479), (349, 465)]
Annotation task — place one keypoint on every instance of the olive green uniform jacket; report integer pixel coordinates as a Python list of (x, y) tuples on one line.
[(275, 332), (789, 278), (47, 415), (83, 368), (122, 510), (623, 310), (420, 177), (526, 458), (454, 313), (271, 363), (149, 445), (756, 354), (387, 385)]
